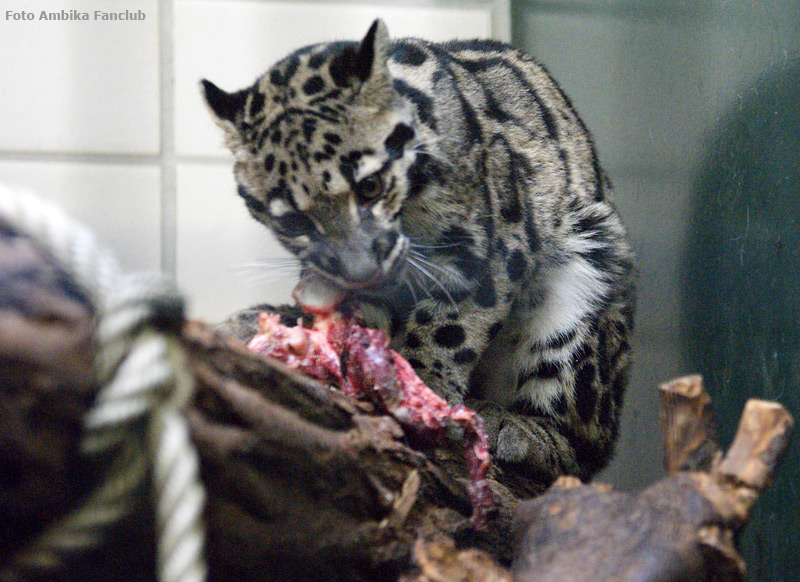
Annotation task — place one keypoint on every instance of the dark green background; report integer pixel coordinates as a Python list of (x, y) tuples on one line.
[(695, 108)]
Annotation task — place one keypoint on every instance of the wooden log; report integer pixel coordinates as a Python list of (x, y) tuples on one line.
[(687, 422), (46, 355), (47, 349), (304, 483), (681, 528)]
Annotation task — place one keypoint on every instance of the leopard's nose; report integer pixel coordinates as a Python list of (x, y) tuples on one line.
[(349, 263)]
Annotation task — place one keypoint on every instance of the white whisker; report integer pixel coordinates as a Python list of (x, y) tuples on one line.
[(428, 263), (410, 286), (443, 246), (269, 269), (418, 264)]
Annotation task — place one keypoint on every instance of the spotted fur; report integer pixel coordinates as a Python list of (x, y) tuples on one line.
[(454, 193)]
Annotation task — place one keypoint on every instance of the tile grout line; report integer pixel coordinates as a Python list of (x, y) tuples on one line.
[(167, 156), (81, 157)]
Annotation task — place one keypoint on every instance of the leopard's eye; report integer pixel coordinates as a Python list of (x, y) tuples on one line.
[(369, 188)]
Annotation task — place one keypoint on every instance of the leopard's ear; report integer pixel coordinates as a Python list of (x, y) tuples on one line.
[(226, 108), (365, 66), (373, 52)]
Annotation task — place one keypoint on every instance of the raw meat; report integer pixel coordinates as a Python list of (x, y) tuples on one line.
[(358, 359)]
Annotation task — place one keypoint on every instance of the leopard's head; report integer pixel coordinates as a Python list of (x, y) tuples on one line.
[(323, 146)]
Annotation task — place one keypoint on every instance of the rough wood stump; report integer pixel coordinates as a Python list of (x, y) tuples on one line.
[(682, 527)]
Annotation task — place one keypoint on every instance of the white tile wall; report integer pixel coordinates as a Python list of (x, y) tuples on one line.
[(107, 119), (75, 86), (119, 202)]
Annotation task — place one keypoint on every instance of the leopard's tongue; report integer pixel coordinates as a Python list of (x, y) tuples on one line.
[(316, 294)]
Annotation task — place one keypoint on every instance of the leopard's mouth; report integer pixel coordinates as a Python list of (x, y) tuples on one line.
[(386, 272)]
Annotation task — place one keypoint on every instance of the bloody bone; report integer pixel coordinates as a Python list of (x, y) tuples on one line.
[(359, 360)]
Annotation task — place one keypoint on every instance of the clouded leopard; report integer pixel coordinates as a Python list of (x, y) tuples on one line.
[(452, 193)]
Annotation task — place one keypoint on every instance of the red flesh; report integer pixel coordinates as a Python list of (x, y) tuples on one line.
[(379, 374)]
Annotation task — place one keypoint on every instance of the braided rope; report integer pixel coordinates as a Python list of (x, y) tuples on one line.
[(136, 417)]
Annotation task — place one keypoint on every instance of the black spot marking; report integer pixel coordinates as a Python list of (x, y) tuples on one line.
[(605, 412), (412, 340), (276, 78), (417, 364), (282, 168), (485, 296), (408, 54), (474, 268), (280, 191), (455, 236), (254, 205), (269, 163), (591, 454), (421, 173), (558, 342), (453, 296), (588, 224), (474, 131), (547, 370), (423, 316), (515, 266), (397, 140), (309, 127), (562, 155), (261, 137), (560, 404), (340, 67), (544, 371), (534, 241), (332, 138), (313, 85), (494, 110), (465, 356), (585, 377), (257, 103), (421, 101), (317, 60), (276, 136), (586, 403), (495, 328), (599, 257), (348, 165), (449, 336)]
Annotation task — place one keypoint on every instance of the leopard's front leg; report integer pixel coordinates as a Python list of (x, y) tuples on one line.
[(550, 407)]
